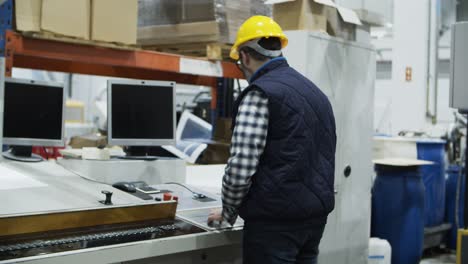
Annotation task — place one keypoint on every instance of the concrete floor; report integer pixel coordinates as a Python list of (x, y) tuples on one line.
[(442, 259)]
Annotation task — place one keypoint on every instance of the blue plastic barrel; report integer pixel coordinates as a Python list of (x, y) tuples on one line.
[(434, 180), (398, 211), (453, 173)]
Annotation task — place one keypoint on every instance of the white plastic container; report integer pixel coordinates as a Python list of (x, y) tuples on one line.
[(380, 251)]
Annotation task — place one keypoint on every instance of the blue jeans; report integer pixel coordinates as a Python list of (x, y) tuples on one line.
[(277, 246)]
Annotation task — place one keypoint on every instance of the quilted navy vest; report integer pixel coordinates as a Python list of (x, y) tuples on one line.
[(294, 181)]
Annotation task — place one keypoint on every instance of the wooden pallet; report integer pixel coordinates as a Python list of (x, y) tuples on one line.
[(196, 39), (61, 38), (211, 51)]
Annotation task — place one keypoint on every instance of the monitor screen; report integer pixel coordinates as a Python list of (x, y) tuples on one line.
[(33, 113), (142, 113)]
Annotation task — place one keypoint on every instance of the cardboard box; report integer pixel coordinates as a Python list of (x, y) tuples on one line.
[(215, 153), (163, 22), (67, 17), (88, 141), (223, 130), (316, 15), (301, 15), (74, 111), (179, 33), (114, 21), (218, 149), (28, 15), (339, 28)]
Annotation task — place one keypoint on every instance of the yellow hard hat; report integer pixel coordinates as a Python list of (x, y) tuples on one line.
[(257, 27)]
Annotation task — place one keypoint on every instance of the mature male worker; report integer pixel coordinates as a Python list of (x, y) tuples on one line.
[(280, 175)]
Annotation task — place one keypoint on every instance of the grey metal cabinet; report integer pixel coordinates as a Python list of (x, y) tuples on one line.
[(345, 72)]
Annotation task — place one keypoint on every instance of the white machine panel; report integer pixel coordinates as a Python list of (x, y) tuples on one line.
[(115, 170), (31, 188), (459, 66), (345, 72)]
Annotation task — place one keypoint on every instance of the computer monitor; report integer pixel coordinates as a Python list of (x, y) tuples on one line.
[(33, 116), (141, 114)]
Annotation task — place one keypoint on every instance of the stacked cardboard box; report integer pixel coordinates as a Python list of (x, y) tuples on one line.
[(114, 21), (28, 15), (316, 15), (68, 18), (178, 22), (99, 20), (301, 14)]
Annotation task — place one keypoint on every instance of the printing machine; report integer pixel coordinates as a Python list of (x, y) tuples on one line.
[(59, 218), (55, 213)]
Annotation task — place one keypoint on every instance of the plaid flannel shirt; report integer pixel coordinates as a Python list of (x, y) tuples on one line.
[(248, 143)]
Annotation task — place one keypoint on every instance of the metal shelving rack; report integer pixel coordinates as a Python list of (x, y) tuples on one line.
[(51, 55)]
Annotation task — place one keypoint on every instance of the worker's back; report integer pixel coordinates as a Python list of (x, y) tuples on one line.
[(294, 181)]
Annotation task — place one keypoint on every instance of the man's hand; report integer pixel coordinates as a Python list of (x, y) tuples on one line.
[(215, 218)]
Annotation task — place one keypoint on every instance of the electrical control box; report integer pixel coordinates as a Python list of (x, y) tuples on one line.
[(459, 67)]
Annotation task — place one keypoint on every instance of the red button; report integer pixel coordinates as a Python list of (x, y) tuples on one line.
[(167, 197)]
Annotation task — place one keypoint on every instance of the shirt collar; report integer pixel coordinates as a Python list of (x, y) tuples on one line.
[(264, 66)]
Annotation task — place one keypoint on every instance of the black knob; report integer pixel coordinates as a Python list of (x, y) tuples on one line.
[(108, 200), (347, 171)]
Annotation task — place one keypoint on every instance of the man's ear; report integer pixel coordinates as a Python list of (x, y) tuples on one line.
[(245, 58)]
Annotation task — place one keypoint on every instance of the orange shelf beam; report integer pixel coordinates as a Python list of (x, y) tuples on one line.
[(41, 54), (51, 55)]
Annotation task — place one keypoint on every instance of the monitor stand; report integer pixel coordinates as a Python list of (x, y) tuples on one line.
[(22, 153), (138, 153)]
